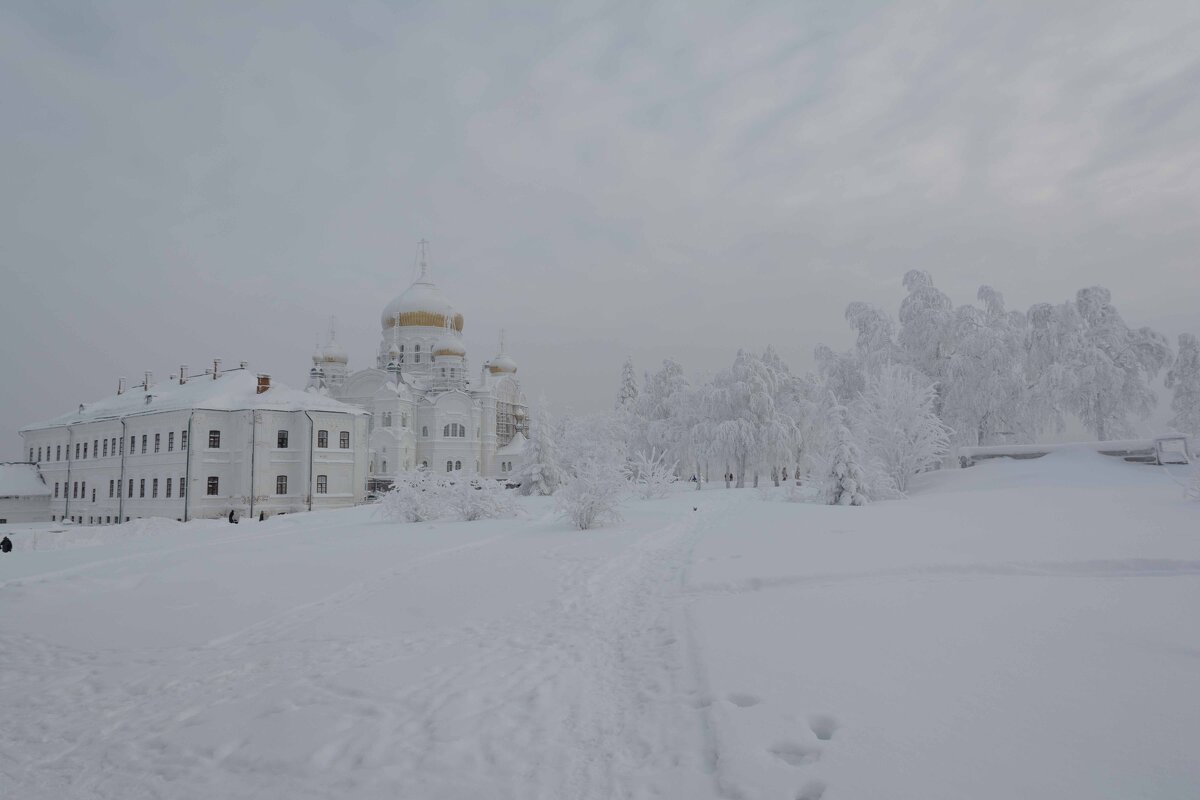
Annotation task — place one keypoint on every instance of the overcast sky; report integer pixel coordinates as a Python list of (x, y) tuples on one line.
[(188, 180)]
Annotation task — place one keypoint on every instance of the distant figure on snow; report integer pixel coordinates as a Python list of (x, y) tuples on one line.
[(5, 545), (233, 520), (262, 515)]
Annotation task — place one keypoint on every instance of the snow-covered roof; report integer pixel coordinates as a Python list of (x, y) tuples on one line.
[(21, 480), (235, 390), (515, 447)]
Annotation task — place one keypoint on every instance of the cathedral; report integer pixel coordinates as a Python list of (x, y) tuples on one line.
[(425, 409)]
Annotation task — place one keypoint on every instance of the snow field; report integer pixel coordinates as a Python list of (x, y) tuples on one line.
[(1018, 629)]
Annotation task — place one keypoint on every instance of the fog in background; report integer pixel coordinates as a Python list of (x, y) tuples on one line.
[(182, 181)]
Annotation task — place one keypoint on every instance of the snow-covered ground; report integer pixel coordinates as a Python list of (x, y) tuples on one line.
[(1015, 630)]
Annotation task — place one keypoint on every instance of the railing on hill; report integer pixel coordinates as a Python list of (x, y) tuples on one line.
[(1171, 449)]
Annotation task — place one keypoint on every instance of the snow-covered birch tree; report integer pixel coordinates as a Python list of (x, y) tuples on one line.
[(1184, 381), (900, 428)]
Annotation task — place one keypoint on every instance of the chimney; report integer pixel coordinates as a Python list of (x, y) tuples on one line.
[(121, 385), (182, 374), (216, 368), (264, 383), (149, 378)]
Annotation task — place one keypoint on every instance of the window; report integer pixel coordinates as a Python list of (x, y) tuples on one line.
[(281, 484), (449, 466), (458, 465), (113, 447), (322, 484), (425, 465), (106, 448), (281, 440), (142, 487), (168, 488), (55, 491), (85, 449), (416, 354), (385, 466), (212, 484), (77, 451), (144, 438), (112, 488), (75, 489), (93, 495), (446, 430), (132, 445), (170, 441), (39, 453), (387, 419), (322, 438), (157, 440), (214, 439), (154, 488), (130, 492), (344, 440), (58, 452), (425, 430), (95, 448), (183, 440), (182, 487)]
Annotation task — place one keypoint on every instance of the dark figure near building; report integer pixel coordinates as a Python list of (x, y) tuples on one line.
[(262, 515), (5, 545), (233, 520)]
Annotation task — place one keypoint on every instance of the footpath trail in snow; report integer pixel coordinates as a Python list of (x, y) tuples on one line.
[(1013, 630), (494, 659)]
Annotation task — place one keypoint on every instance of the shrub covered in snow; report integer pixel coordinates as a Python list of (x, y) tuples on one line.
[(651, 475), (592, 496), (479, 498), (540, 473), (847, 479), (421, 496)]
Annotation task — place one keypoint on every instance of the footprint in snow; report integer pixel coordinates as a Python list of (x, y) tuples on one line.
[(823, 726), (813, 790), (797, 755), (743, 700)]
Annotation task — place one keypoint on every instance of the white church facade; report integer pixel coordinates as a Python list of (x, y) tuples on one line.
[(427, 409)]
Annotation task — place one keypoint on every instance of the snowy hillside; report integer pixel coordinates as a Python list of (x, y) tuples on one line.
[(1015, 630)]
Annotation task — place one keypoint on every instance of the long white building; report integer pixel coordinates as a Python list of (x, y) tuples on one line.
[(201, 446), (426, 409)]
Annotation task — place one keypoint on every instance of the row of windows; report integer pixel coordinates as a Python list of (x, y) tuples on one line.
[(78, 489), (506, 466), (454, 429), (103, 448)]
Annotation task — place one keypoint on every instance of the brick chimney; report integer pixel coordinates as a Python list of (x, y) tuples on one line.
[(264, 383)]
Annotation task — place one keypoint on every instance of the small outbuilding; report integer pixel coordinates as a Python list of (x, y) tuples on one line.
[(24, 496)]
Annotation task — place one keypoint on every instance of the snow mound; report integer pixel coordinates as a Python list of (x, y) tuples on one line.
[(69, 537)]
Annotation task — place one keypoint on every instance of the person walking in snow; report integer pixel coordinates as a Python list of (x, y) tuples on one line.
[(233, 517), (5, 545)]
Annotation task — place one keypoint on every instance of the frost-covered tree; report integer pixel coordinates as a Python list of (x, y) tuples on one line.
[(985, 395), (900, 429), (592, 496), (651, 475), (846, 482), (414, 497), (1113, 366), (744, 418), (579, 438), (540, 473), (926, 330), (1184, 381), (628, 393), (421, 496), (473, 498)]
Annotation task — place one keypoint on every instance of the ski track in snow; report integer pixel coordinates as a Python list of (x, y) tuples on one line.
[(584, 697)]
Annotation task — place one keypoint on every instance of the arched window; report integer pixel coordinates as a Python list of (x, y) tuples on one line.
[(458, 465), (425, 465), (449, 466), (385, 466), (425, 432), (446, 431)]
